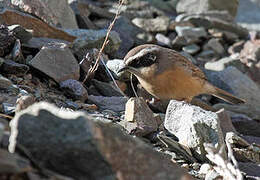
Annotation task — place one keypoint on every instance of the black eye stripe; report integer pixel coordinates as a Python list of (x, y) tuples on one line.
[(143, 61)]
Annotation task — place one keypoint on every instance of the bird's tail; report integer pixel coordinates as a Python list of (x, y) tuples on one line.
[(227, 96)]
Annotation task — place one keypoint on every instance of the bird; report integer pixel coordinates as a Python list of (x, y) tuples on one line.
[(166, 74)]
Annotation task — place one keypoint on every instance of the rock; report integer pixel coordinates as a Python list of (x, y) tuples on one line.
[(163, 40), (189, 57), (38, 43), (57, 61), (206, 55), (11, 67), (225, 122), (4, 82), (180, 41), (190, 33), (74, 89), (209, 22), (202, 6), (245, 125), (250, 56), (128, 33), (24, 102), (88, 39), (139, 118), (193, 126), (106, 89), (165, 6), (215, 45), (233, 81), (7, 40), (191, 49), (158, 24), (116, 64), (212, 175), (40, 28), (236, 47), (221, 64), (20, 33), (248, 14), (2, 130), (205, 168), (116, 104), (251, 169), (17, 54), (72, 139), (62, 17)]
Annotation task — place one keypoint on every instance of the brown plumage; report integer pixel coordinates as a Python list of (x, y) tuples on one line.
[(166, 74)]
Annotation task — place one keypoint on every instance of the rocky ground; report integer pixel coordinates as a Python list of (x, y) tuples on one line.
[(56, 124)]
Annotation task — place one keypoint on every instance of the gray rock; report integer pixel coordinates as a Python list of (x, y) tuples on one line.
[(209, 22), (191, 33), (75, 89), (11, 67), (17, 54), (201, 6), (206, 55), (181, 41), (116, 103), (84, 148), (249, 14), (20, 33), (57, 61), (191, 49), (88, 39), (165, 6), (252, 170), (2, 130), (4, 82), (232, 80), (221, 64), (193, 126), (158, 24), (128, 33), (139, 118), (163, 40), (63, 16), (106, 89), (116, 64), (39, 42), (215, 45)]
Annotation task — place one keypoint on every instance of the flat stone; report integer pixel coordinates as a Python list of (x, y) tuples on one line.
[(88, 39), (193, 126), (57, 61), (62, 17), (114, 65), (72, 139), (221, 64), (215, 45), (158, 24), (163, 40), (11, 67), (4, 82), (20, 33), (139, 118), (191, 49), (116, 104), (106, 89), (17, 54), (40, 28), (74, 89), (191, 32)]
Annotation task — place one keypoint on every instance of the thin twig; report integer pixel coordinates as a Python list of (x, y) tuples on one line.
[(6, 116), (95, 67)]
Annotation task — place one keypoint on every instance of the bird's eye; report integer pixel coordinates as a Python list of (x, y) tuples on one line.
[(144, 61)]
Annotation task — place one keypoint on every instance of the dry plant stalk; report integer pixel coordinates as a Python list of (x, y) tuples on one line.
[(225, 168), (106, 41)]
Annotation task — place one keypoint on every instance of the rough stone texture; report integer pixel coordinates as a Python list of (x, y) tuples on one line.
[(57, 61), (139, 117), (191, 49), (4, 82), (240, 85), (201, 6), (249, 14), (40, 28), (106, 89), (116, 103), (252, 170), (24, 102), (47, 10), (88, 39), (74, 89), (221, 64), (158, 24), (193, 126), (191, 34), (116, 64), (75, 144), (7, 40), (163, 40), (17, 54), (11, 67), (215, 45)]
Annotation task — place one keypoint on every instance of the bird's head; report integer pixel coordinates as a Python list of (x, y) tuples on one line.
[(142, 61)]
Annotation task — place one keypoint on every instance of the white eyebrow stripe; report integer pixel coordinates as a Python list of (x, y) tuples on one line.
[(141, 53)]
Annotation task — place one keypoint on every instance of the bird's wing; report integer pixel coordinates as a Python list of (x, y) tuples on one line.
[(191, 68)]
